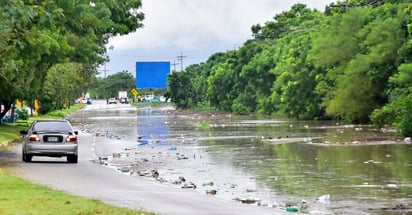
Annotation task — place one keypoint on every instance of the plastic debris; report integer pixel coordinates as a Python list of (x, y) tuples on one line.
[(248, 200), (189, 185), (292, 209), (211, 192), (392, 186), (324, 199)]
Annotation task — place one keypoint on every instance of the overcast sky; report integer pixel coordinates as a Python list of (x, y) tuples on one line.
[(195, 29)]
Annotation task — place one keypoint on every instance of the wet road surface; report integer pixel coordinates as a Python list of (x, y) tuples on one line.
[(92, 180)]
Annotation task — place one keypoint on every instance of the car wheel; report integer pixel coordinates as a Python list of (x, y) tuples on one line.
[(72, 158), (23, 156), (26, 157)]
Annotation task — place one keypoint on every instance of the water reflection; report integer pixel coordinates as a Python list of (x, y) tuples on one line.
[(151, 128), (358, 178)]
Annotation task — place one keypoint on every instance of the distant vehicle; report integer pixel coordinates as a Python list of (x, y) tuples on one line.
[(86, 101), (124, 100), (52, 138), (122, 94), (112, 101)]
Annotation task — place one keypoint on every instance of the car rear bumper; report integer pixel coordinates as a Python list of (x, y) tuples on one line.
[(51, 149)]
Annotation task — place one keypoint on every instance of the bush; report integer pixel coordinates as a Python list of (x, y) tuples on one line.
[(23, 114), (384, 116), (239, 108), (397, 113), (403, 121)]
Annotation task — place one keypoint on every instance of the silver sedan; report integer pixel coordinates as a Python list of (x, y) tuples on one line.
[(52, 138)]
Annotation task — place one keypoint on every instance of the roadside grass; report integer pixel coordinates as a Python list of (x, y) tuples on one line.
[(18, 196), (10, 131), (59, 114)]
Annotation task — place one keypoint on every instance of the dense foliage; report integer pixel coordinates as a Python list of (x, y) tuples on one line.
[(109, 87), (50, 49), (352, 62)]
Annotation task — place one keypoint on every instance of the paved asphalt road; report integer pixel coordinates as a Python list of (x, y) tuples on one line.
[(95, 181)]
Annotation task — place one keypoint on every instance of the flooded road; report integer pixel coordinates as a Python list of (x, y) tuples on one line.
[(262, 161)]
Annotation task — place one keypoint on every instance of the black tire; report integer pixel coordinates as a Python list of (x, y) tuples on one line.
[(26, 157), (29, 157), (23, 156), (72, 158)]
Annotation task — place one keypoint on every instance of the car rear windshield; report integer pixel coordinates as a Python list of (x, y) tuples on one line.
[(52, 127)]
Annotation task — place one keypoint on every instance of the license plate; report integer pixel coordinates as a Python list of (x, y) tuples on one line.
[(52, 139)]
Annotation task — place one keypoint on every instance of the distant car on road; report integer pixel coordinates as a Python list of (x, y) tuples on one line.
[(124, 100), (86, 101), (112, 101), (52, 138)]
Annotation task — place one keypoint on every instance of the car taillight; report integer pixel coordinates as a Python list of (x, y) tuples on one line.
[(71, 138), (34, 138)]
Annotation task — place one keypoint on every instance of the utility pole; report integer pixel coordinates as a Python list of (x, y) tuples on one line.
[(174, 64), (347, 6), (105, 70), (180, 58)]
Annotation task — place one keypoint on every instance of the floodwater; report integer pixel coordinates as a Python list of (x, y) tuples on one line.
[(321, 167)]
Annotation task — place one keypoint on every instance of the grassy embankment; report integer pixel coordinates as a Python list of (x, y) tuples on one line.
[(18, 196)]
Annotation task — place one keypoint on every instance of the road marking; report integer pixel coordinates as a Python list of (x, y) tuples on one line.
[(147, 191), (93, 148)]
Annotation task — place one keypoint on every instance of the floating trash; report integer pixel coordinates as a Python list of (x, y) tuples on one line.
[(372, 162), (143, 142), (189, 185), (392, 186), (292, 209), (211, 192), (248, 200), (208, 184), (324, 199)]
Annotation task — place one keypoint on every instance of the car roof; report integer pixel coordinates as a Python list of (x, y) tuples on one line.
[(51, 120)]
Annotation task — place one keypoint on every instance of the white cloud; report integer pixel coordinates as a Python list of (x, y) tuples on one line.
[(198, 28)]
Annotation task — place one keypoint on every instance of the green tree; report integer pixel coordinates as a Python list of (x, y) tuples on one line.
[(360, 61), (220, 86), (63, 85), (397, 110), (110, 86), (39, 34), (180, 89)]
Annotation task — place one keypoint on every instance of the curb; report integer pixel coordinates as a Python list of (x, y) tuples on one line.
[(6, 144)]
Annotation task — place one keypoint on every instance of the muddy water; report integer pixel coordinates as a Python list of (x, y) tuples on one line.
[(250, 158)]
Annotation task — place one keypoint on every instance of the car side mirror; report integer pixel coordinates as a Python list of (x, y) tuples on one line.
[(76, 132), (23, 132)]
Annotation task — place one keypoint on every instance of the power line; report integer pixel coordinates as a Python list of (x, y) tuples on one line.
[(180, 58), (105, 70), (174, 64)]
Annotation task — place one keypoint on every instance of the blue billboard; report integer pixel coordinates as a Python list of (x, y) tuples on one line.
[(152, 74)]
